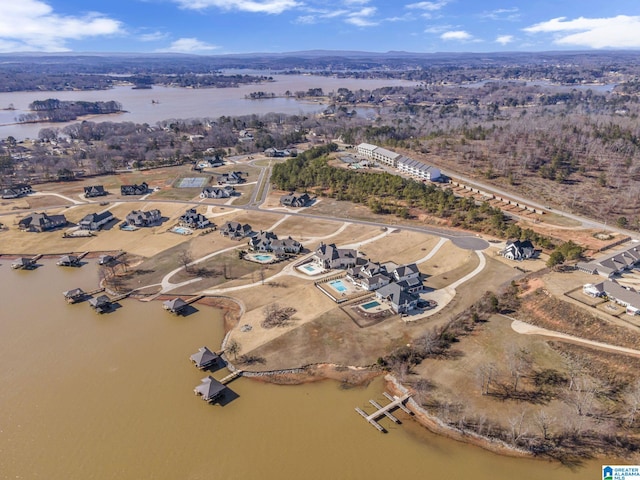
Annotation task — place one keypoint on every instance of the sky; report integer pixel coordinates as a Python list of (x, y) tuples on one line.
[(218, 27)]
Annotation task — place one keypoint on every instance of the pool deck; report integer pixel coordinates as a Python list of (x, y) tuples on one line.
[(252, 257)]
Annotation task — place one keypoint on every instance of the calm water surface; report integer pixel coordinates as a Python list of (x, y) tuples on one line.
[(84, 396), (183, 103)]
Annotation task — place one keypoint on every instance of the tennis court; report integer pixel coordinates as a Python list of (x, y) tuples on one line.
[(192, 182)]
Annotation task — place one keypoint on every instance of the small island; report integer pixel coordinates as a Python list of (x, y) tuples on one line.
[(54, 110)]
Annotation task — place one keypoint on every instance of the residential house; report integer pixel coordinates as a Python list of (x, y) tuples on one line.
[(400, 300), (330, 256), (235, 230), (193, 219), (94, 191), (274, 152), (138, 218), (625, 296), (16, 191), (370, 276), (134, 189), (95, 221), (405, 272), (293, 200), (217, 192), (518, 250), (40, 222), (269, 242), (613, 263), (214, 161), (231, 178), (379, 154)]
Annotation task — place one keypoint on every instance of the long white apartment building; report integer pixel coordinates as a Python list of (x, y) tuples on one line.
[(379, 154), (418, 169), (406, 165)]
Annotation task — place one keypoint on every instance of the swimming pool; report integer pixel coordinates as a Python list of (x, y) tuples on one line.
[(263, 258), (182, 230), (309, 268), (128, 228), (338, 285), (369, 305)]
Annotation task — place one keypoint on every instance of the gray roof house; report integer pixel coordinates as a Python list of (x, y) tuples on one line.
[(204, 359), (293, 200), (217, 192), (210, 389), (401, 301), (134, 189), (138, 218), (193, 219), (95, 221), (100, 304), (235, 230), (406, 272), (231, 178), (627, 297), (518, 250), (73, 295), (94, 191), (269, 242), (330, 256), (613, 263), (40, 222), (369, 276), (16, 191)]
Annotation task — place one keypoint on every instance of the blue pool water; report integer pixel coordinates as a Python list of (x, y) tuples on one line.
[(309, 268), (181, 230), (369, 305), (263, 258), (338, 285), (128, 228)]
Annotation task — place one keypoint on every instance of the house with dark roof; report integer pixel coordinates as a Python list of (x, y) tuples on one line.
[(214, 161), (106, 259), (518, 250), (134, 189), (16, 191), (210, 389), (370, 276), (405, 272), (204, 358), (231, 178), (138, 218), (400, 300), (193, 219), (330, 256), (218, 192), (94, 191), (235, 230), (41, 222), (100, 304), (295, 200), (613, 263), (269, 242), (74, 295), (95, 221)]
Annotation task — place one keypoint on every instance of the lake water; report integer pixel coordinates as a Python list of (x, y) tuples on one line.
[(183, 103), (88, 396)]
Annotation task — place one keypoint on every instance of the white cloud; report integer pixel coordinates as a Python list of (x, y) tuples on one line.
[(32, 25), (253, 6), (356, 2), (459, 35), (362, 18), (613, 32), (504, 39), (318, 17), (152, 37), (429, 6), (189, 45), (510, 14), (437, 29)]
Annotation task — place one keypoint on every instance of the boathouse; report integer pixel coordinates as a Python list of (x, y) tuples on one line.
[(100, 304), (23, 263), (210, 389), (74, 295), (176, 305), (204, 359), (68, 261)]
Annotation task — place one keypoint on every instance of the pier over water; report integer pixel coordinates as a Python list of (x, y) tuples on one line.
[(395, 402)]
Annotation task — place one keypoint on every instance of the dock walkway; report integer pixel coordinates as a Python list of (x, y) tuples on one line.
[(395, 402)]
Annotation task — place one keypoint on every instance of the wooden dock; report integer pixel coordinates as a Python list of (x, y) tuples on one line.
[(395, 402), (97, 290), (122, 296), (232, 376)]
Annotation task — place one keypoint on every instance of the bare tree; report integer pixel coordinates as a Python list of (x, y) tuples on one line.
[(186, 259), (632, 398), (543, 420), (233, 347)]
